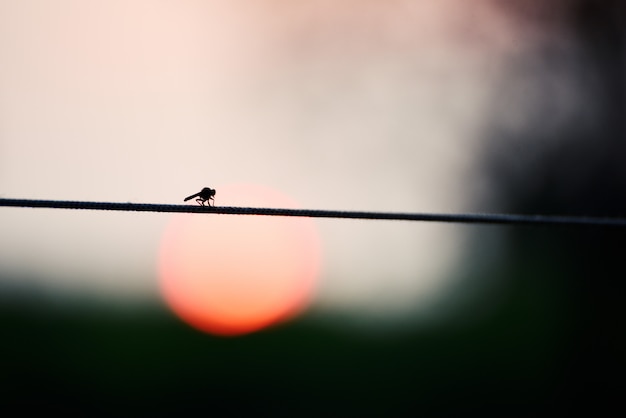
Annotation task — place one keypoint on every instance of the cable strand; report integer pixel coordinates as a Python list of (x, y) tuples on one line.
[(467, 218)]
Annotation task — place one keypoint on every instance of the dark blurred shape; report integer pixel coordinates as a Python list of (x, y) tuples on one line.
[(97, 360), (567, 157)]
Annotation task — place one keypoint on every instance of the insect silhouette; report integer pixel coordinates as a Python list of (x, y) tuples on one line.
[(205, 195)]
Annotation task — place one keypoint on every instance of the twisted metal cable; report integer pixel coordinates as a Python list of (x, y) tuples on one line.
[(475, 218)]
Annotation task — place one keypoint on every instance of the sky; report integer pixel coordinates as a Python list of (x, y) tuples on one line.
[(376, 106)]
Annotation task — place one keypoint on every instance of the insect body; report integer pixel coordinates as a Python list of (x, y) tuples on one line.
[(205, 195)]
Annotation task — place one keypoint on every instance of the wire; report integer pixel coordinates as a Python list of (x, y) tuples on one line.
[(479, 218)]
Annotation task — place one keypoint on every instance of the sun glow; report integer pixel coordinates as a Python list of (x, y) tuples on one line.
[(232, 274)]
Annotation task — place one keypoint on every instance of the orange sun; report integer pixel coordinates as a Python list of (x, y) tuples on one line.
[(235, 274)]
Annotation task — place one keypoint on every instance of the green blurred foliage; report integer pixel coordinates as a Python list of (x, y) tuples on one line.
[(100, 361)]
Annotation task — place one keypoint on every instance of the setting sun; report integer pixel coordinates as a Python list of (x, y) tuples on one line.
[(233, 274)]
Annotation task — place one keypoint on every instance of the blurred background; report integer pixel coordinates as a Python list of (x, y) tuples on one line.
[(378, 105)]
